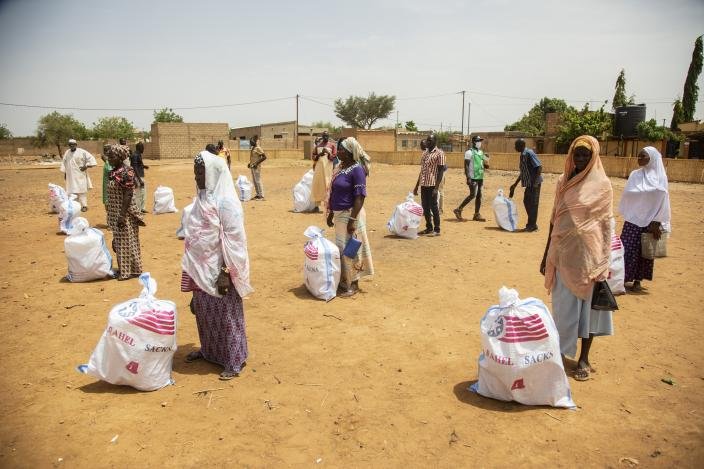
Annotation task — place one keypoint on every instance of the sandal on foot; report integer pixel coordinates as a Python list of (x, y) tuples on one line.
[(581, 374), (348, 293), (228, 375), (193, 356)]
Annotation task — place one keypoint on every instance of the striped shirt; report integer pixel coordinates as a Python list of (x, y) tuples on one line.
[(429, 163), (529, 165)]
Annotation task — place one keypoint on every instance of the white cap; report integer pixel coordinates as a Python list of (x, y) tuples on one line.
[(71, 140)]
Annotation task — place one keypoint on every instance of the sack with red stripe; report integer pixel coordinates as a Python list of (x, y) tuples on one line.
[(520, 359), (405, 220), (617, 267), (137, 347), (321, 268)]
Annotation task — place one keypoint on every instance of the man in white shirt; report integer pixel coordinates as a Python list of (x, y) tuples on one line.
[(75, 166)]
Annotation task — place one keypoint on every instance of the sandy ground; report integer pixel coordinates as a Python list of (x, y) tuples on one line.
[(385, 385)]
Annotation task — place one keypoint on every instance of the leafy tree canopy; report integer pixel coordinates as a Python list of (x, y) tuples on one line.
[(677, 115), (5, 132), (113, 127), (166, 115), (691, 89), (583, 122), (620, 92), (411, 126), (360, 112), (651, 131), (533, 123), (56, 128), (328, 125)]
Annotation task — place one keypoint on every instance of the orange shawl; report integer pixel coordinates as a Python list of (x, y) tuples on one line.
[(581, 235)]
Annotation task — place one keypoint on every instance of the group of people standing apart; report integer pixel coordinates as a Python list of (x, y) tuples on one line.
[(576, 257)]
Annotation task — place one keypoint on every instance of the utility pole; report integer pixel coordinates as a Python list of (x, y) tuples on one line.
[(297, 96), (396, 133), (462, 128), (469, 109)]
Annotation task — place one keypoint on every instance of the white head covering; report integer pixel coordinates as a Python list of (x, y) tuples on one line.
[(71, 140), (215, 232), (360, 156), (646, 197)]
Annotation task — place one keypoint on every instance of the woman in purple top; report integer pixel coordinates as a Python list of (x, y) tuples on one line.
[(346, 212)]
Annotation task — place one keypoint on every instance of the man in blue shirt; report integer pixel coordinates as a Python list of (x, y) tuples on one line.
[(530, 178)]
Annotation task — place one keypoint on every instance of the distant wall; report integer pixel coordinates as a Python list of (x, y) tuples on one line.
[(172, 140), (677, 169)]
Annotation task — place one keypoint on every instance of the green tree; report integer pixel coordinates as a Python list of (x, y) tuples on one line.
[(113, 127), (166, 115), (691, 89), (442, 138), (677, 115), (411, 126), (5, 133), (620, 93), (56, 128), (651, 131), (327, 125), (360, 112), (533, 123), (583, 122)]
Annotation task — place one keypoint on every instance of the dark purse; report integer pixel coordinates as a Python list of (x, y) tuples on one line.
[(602, 298)]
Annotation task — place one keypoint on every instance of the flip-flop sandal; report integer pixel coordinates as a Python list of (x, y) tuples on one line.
[(581, 374), (193, 356), (348, 293), (228, 375)]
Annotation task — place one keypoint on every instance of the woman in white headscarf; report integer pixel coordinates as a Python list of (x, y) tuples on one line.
[(216, 267), (348, 190), (645, 207)]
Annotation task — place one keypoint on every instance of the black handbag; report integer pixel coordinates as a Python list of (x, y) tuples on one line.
[(602, 298)]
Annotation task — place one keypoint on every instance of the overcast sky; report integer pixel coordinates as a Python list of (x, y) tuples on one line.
[(150, 54)]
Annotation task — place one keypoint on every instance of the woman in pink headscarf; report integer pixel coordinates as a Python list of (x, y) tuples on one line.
[(578, 249)]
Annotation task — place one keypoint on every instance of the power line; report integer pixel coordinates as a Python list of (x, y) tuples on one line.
[(180, 108)]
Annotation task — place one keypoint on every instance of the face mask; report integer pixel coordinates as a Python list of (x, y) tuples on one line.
[(477, 145)]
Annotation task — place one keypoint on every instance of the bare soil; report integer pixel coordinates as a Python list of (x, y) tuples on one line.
[(377, 380)]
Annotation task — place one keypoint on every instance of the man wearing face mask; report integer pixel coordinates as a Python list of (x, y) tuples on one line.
[(432, 168), (475, 162), (74, 165)]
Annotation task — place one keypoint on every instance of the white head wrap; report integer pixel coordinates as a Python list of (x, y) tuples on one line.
[(216, 234), (360, 156), (71, 140), (646, 197)]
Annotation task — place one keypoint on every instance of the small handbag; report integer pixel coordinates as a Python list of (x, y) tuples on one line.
[(602, 298), (651, 248), (352, 247)]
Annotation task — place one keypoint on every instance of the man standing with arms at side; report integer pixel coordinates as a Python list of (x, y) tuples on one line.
[(432, 168), (75, 166), (140, 189), (531, 178), (256, 157), (475, 162)]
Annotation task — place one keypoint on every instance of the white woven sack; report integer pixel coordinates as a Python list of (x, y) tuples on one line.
[(87, 254), (505, 212), (139, 342), (321, 269), (520, 358), (164, 200)]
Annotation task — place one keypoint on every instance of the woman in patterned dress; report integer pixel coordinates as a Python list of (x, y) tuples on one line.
[(645, 207), (216, 267), (124, 217), (348, 190)]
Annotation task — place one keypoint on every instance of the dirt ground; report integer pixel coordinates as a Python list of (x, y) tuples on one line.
[(378, 380)]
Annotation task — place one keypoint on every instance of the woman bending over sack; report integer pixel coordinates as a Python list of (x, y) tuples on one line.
[(124, 217), (216, 267), (578, 249), (645, 207), (346, 212)]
